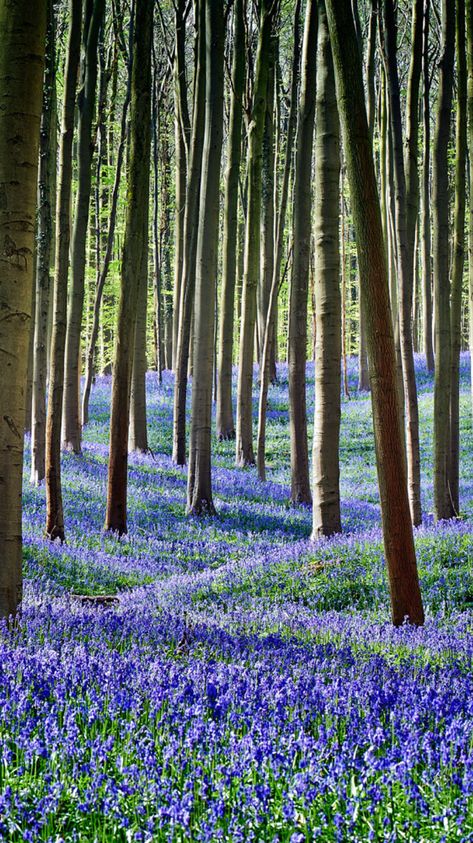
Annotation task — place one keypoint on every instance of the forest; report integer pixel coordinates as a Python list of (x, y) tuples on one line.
[(236, 440)]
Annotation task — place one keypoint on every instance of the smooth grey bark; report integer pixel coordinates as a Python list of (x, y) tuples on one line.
[(270, 335), (326, 517), (458, 258), (405, 205), (23, 29), (199, 487), (187, 286), (47, 165), (251, 271), (397, 526), (225, 422), (426, 238), (440, 214), (133, 261), (297, 342), (54, 504), (72, 428)]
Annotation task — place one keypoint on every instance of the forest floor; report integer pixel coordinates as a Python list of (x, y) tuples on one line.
[(248, 685)]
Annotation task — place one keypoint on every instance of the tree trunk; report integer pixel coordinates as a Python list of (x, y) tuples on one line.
[(225, 423), (54, 507), (426, 234), (405, 202), (133, 262), (440, 211), (469, 56), (47, 164), (326, 518), (458, 260), (267, 210), (94, 331), (182, 154), (397, 526), (189, 245), (138, 430), (297, 343), (199, 488), (251, 271), (23, 28), (72, 429), (270, 338)]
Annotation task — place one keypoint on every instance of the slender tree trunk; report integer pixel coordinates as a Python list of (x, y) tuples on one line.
[(47, 164), (23, 28), (72, 429), (397, 526), (269, 338), (94, 331), (469, 57), (189, 245), (138, 430), (297, 347), (405, 205), (458, 259), (157, 277), (54, 506), (426, 234), (326, 518), (199, 488), (251, 272), (225, 423), (182, 154), (440, 211), (133, 262), (267, 244)]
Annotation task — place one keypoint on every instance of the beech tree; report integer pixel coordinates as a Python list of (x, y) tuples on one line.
[(133, 261), (397, 527), (23, 28)]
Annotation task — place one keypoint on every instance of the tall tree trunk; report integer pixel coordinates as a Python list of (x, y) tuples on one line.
[(405, 205), (225, 423), (133, 261), (326, 518), (458, 259), (251, 271), (397, 526), (72, 429), (297, 345), (199, 488), (47, 164), (469, 57), (426, 234), (54, 506), (23, 28), (270, 337), (182, 154), (102, 278), (189, 244), (440, 212), (267, 209), (138, 430)]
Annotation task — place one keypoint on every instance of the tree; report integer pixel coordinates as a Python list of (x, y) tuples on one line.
[(47, 167), (458, 260), (426, 242), (405, 202), (23, 28), (297, 340), (54, 506), (187, 284), (225, 424), (397, 527), (326, 487), (72, 428), (199, 487), (251, 271), (469, 57), (440, 213), (133, 261)]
